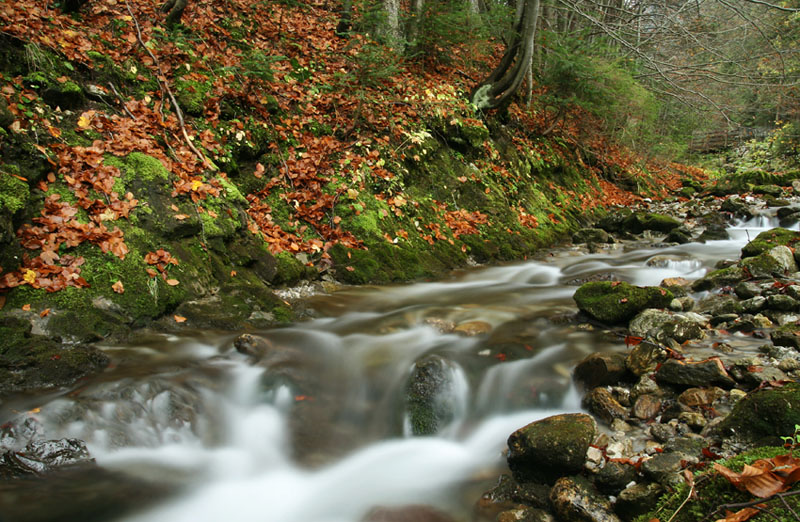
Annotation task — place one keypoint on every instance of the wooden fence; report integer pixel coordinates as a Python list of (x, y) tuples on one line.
[(725, 139)]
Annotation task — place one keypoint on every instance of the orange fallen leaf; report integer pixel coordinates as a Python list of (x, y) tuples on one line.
[(172, 282), (233, 273), (44, 313), (179, 318), (26, 307), (349, 268), (740, 516), (118, 287)]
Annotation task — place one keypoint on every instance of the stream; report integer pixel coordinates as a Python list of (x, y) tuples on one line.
[(316, 430)]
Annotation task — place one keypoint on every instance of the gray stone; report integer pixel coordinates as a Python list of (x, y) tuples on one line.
[(775, 262), (662, 432), (664, 468), (754, 304), (782, 303), (647, 407), (614, 477), (747, 290), (661, 325), (592, 235)]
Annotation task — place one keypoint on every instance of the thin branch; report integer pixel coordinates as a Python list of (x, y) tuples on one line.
[(165, 86), (121, 101)]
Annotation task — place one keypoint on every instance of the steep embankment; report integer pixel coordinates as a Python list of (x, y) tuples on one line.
[(179, 175)]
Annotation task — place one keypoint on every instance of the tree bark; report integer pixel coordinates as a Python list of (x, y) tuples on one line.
[(497, 89), (174, 10)]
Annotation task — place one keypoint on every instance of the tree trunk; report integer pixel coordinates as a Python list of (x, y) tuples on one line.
[(345, 18), (392, 28), (174, 10), (496, 90)]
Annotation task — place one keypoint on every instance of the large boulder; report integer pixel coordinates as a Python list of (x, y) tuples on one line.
[(661, 324), (764, 416), (618, 301), (638, 222), (776, 261), (769, 239), (548, 449)]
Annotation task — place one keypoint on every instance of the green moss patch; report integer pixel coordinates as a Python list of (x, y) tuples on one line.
[(617, 301)]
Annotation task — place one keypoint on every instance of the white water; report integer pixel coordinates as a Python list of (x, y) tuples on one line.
[(194, 413)]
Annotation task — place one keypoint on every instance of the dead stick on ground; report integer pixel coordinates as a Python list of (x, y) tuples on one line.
[(121, 101), (161, 78)]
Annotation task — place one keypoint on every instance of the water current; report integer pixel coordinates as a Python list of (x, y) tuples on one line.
[(317, 432)]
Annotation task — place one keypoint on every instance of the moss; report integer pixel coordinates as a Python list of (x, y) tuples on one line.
[(713, 490), (617, 302), (770, 239), (191, 96), (764, 416), (14, 193), (719, 278), (290, 269)]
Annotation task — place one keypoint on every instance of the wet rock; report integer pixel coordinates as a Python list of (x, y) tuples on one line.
[(690, 444), (662, 325), (719, 278), (765, 415), (788, 335), (771, 190), (638, 222), (680, 235), (714, 232), (600, 402), (525, 514), (782, 303), (664, 468), (40, 457), (769, 239), (698, 397), (429, 398), (507, 494), (638, 499), (574, 499), (644, 357), (413, 513), (601, 369), (549, 448), (646, 407), (777, 261), (473, 328), (614, 477), (697, 374), (754, 304), (617, 302), (747, 290), (717, 305), (662, 432), (737, 207), (754, 376), (694, 420), (788, 216), (592, 235)]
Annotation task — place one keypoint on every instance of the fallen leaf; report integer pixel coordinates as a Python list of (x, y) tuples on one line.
[(84, 122), (26, 308), (349, 268), (2, 301), (172, 282), (118, 287), (179, 318), (233, 273), (44, 313), (740, 516)]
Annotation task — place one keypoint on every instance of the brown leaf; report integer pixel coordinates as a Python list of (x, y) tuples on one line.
[(172, 282), (740, 516), (2, 301), (118, 287), (26, 308), (179, 318), (44, 313)]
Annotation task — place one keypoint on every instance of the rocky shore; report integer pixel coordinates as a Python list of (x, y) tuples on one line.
[(681, 396)]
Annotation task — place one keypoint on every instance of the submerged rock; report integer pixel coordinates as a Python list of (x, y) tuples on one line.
[(550, 448), (429, 395), (44, 456)]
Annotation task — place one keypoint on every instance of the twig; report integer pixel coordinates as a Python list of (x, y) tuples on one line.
[(121, 101), (690, 482), (754, 503), (165, 86)]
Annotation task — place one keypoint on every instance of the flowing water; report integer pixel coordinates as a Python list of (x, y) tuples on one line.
[(317, 430)]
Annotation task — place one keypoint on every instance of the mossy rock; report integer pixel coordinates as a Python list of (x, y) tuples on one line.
[(291, 270), (617, 301), (775, 262), (787, 335), (191, 96), (729, 276), (14, 195), (67, 95), (429, 401), (769, 239), (638, 222), (548, 449), (771, 190), (30, 361), (764, 416)]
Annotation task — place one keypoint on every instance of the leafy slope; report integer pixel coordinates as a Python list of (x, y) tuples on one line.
[(309, 142)]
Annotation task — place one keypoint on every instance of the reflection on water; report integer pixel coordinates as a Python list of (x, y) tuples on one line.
[(316, 431)]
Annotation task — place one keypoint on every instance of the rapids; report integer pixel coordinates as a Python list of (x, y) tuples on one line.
[(320, 435)]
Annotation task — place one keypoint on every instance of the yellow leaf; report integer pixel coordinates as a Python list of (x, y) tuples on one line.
[(29, 276), (84, 122), (196, 184), (352, 193)]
